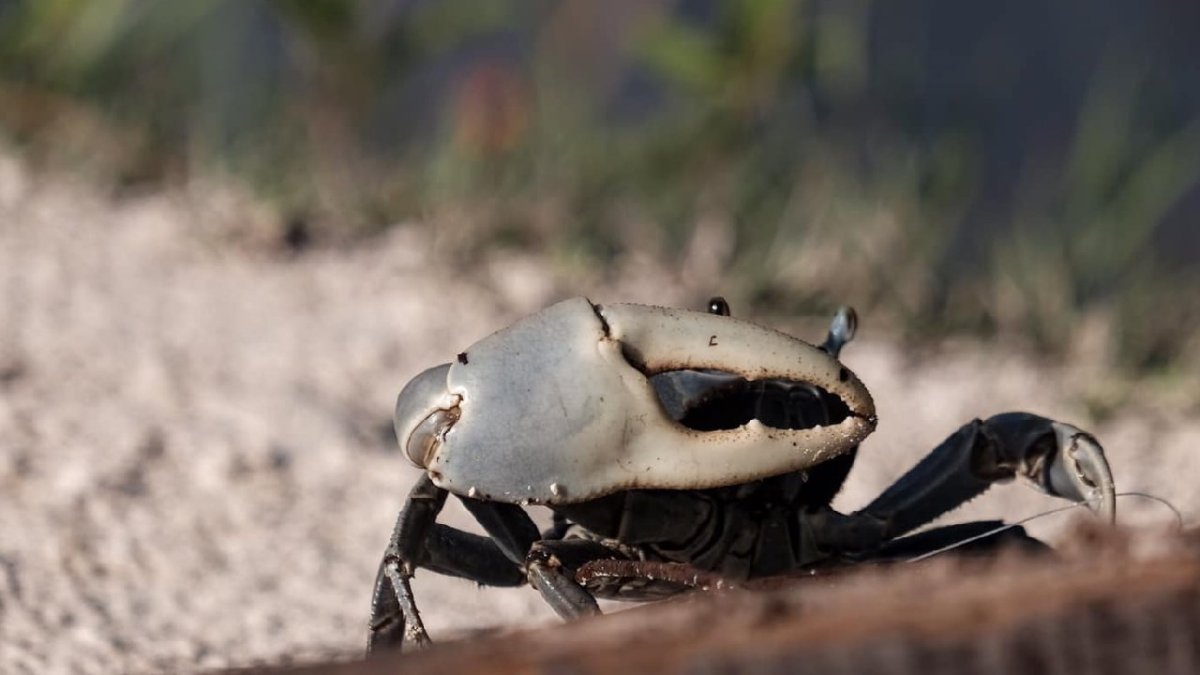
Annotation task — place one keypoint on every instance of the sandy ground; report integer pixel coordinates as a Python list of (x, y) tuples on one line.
[(197, 467)]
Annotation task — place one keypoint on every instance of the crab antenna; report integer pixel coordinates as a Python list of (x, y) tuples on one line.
[(718, 306), (841, 330), (1073, 505)]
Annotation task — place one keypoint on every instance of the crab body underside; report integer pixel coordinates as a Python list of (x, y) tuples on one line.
[(677, 450)]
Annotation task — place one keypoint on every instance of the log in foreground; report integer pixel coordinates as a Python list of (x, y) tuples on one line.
[(1100, 610)]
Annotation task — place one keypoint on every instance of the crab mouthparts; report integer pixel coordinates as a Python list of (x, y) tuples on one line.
[(706, 400)]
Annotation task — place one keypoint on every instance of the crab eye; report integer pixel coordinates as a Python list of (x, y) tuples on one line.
[(428, 435)]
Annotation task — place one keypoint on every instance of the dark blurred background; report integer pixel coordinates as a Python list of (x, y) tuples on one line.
[(1025, 169)]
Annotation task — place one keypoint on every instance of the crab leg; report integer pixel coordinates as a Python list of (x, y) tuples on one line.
[(1059, 458), (518, 538), (672, 575), (394, 615), (554, 580), (497, 560), (469, 556), (507, 524)]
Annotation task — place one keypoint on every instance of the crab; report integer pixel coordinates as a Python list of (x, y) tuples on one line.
[(677, 449)]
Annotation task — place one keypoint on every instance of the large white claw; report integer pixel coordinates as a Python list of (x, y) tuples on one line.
[(558, 407)]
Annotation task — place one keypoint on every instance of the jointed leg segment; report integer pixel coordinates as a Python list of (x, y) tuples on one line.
[(511, 554), (1059, 458), (394, 615)]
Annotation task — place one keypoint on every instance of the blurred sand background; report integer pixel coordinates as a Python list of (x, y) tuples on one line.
[(231, 231), (197, 467)]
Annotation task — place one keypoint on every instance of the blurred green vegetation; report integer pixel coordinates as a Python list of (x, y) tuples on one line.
[(585, 130)]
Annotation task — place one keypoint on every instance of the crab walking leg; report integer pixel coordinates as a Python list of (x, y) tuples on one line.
[(394, 615), (557, 584), (622, 572), (469, 556), (507, 524), (1059, 458), (518, 538), (445, 550)]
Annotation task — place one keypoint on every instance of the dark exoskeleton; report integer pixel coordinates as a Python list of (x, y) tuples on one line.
[(639, 544)]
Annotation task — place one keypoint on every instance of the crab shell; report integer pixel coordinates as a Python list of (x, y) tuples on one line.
[(559, 407)]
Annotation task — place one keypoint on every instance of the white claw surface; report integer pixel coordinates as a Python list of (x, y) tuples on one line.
[(558, 407)]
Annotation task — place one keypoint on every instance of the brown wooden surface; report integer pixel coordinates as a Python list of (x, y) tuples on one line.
[(1101, 610)]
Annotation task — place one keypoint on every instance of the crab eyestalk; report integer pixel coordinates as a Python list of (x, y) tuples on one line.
[(841, 330)]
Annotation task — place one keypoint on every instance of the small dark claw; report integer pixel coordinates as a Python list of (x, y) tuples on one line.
[(1080, 471), (1060, 458)]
